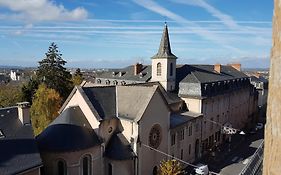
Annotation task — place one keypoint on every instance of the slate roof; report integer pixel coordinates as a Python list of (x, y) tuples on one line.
[(18, 150), (170, 97), (127, 74), (205, 73), (118, 148), (103, 100), (133, 100), (164, 50), (258, 79), (179, 119), (69, 132)]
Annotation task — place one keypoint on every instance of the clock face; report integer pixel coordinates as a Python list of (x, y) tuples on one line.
[(155, 136)]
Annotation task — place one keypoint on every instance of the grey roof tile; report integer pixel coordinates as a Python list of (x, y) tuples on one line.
[(18, 150), (118, 148), (133, 100), (103, 100), (179, 119), (70, 131)]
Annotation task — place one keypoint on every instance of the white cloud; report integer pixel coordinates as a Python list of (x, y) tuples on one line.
[(226, 19), (41, 10), (153, 6)]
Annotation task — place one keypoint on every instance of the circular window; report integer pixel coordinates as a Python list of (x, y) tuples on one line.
[(155, 136)]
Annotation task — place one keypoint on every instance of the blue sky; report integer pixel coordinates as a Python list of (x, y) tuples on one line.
[(116, 33)]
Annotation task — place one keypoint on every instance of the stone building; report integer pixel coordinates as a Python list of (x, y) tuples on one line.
[(222, 93), (130, 119)]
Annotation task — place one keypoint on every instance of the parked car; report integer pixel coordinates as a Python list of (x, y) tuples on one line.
[(202, 169)]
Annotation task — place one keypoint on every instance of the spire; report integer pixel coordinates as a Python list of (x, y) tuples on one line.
[(164, 50)]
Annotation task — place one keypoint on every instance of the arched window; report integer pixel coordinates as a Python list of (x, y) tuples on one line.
[(98, 81), (86, 165), (171, 69), (115, 82), (61, 167), (107, 82), (158, 69)]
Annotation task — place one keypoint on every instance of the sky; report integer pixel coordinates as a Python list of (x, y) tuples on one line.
[(118, 33)]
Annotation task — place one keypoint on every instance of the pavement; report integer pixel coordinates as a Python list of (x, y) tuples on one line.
[(231, 162)]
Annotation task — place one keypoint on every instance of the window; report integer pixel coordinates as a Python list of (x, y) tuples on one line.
[(1, 134), (98, 81), (86, 165), (171, 69), (173, 140), (189, 149), (107, 82), (123, 83), (190, 130), (181, 154), (158, 69), (61, 167), (115, 82), (181, 134)]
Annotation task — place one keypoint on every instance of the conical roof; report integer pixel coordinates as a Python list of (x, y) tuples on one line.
[(164, 50)]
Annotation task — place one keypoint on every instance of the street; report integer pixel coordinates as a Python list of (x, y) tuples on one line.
[(232, 162)]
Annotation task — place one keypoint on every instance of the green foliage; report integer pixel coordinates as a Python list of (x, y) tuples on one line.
[(170, 167), (52, 72), (9, 95), (45, 107), (77, 77), (28, 90)]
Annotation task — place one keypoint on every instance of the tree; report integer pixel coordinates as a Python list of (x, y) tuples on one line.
[(52, 72), (28, 90), (45, 107), (77, 77), (9, 95), (170, 167)]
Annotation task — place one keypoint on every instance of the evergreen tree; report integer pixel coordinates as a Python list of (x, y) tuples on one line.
[(52, 72), (171, 167), (28, 90), (77, 77)]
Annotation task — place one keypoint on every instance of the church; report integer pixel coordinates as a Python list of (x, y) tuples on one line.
[(128, 120)]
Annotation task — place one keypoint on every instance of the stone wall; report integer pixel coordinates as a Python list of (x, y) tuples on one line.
[(272, 151)]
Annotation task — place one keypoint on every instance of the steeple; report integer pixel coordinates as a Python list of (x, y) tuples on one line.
[(164, 50)]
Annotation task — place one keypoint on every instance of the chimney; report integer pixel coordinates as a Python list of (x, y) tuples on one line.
[(23, 112), (217, 68), (236, 66), (137, 68)]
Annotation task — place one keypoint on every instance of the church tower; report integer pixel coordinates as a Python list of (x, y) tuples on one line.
[(164, 63)]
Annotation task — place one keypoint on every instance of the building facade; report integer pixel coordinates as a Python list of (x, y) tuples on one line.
[(128, 120)]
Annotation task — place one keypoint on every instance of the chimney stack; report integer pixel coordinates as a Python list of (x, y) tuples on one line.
[(217, 68), (23, 112), (137, 68), (236, 66)]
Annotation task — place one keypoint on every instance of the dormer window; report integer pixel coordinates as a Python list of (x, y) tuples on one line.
[(107, 82)]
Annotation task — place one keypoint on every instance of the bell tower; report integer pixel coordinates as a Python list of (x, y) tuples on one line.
[(164, 63)]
